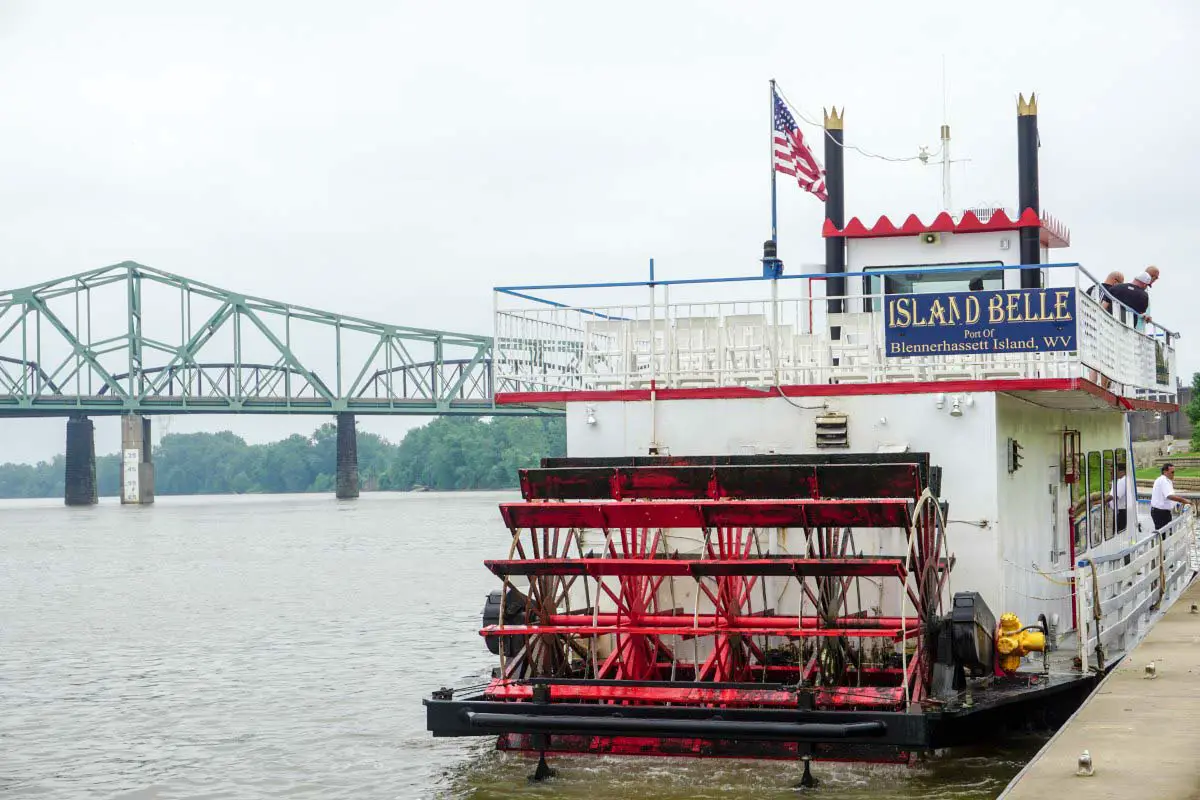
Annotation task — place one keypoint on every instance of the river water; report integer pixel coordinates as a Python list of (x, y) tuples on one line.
[(279, 646)]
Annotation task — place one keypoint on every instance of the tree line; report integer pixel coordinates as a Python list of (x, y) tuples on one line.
[(1192, 409), (449, 453)]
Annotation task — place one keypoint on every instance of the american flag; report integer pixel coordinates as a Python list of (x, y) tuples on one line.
[(792, 156)]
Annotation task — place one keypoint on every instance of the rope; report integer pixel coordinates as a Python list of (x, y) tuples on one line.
[(1047, 575), (790, 402), (855, 148), (1038, 597)]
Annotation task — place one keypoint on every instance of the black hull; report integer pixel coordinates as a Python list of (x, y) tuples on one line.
[(701, 731)]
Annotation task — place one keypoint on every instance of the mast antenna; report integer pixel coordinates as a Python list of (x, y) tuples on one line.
[(945, 148), (945, 142)]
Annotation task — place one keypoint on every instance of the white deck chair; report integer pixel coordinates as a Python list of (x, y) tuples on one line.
[(806, 361), (607, 354), (857, 352), (696, 345), (744, 357)]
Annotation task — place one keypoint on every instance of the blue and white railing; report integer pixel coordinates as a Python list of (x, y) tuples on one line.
[(756, 331)]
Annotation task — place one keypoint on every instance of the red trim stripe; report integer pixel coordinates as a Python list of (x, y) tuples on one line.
[(1052, 233), (837, 390)]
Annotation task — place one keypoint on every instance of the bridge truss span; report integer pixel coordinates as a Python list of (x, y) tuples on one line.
[(133, 339)]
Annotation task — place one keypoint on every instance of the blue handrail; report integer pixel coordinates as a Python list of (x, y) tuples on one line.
[(518, 290), (749, 278)]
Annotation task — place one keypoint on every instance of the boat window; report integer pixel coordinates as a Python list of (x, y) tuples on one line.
[(1108, 478), (914, 279), (1092, 484), (1078, 520), (1122, 466)]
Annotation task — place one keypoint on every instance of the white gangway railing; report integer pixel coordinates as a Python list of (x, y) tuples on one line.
[(763, 332), (1117, 593)]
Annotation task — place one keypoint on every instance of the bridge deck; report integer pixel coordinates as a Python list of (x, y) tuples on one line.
[(100, 405), (1143, 735)]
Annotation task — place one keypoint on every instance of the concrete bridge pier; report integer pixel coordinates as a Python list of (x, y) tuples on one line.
[(137, 469), (80, 483), (347, 458)]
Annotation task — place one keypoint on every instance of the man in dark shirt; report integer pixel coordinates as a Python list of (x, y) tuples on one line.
[(1131, 295), (1101, 291)]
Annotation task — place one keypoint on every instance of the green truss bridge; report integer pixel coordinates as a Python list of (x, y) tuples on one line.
[(136, 341)]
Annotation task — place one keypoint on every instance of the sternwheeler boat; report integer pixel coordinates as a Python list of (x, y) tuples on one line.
[(858, 514)]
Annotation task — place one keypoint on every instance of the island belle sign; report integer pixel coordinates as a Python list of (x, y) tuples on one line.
[(964, 323)]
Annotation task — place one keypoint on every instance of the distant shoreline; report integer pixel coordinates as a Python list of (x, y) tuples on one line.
[(447, 454)]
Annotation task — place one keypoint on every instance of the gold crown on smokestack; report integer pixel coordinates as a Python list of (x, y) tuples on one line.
[(1027, 109), (833, 118)]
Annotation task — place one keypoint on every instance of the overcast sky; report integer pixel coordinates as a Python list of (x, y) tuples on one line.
[(395, 160)]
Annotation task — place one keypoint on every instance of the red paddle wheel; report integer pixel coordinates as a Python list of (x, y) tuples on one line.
[(772, 606)]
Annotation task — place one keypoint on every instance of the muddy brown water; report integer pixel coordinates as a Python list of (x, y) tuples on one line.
[(279, 646)]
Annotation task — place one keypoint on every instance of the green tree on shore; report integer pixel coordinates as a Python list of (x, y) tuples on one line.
[(462, 453), (447, 454), (1192, 409)]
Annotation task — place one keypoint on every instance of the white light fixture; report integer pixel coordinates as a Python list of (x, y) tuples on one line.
[(939, 400), (591, 415)]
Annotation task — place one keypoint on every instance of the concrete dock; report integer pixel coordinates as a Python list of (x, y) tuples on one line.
[(1143, 734)]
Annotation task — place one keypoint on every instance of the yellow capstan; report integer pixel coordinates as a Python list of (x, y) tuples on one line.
[(1013, 644)]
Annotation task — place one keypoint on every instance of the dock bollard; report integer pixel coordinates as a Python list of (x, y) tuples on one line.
[(1085, 769), (1151, 671)]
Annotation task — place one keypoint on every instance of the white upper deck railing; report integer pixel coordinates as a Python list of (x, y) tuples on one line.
[(762, 332)]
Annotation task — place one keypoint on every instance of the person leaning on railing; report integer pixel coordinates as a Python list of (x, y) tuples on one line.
[(1100, 291), (1135, 297), (1163, 497)]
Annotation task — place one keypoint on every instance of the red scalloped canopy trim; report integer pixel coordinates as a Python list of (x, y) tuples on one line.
[(1053, 232)]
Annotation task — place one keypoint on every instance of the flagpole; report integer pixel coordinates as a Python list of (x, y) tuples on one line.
[(774, 236)]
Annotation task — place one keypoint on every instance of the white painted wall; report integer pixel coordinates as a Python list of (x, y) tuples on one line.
[(1025, 533), (1002, 246)]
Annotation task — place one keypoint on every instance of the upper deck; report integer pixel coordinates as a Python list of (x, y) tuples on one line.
[(735, 336)]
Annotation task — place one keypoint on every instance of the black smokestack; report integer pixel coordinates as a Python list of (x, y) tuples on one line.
[(1027, 169), (835, 208)]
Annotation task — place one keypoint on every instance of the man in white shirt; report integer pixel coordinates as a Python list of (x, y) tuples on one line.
[(1163, 497), (1118, 501)]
